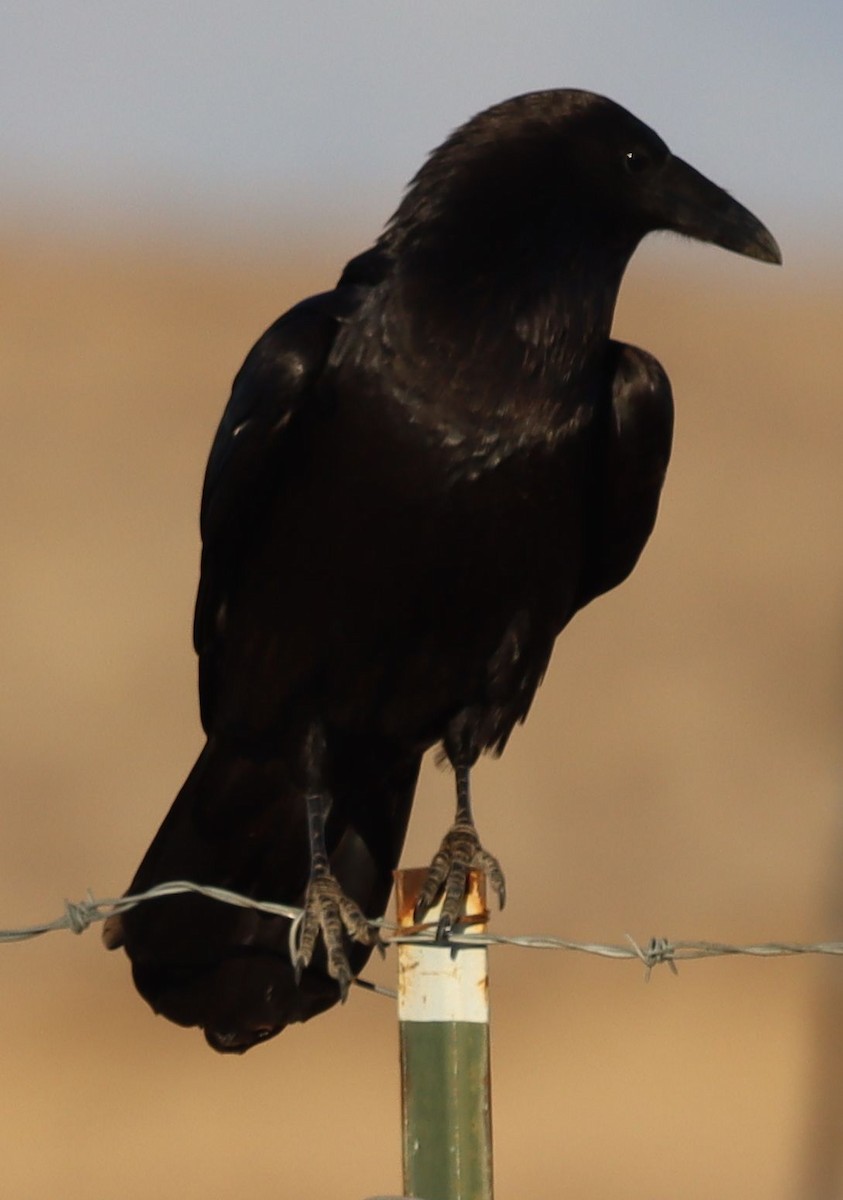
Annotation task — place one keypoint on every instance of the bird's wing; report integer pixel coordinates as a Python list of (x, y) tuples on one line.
[(273, 391), (633, 439)]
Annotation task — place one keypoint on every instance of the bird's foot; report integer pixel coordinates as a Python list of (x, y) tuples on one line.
[(460, 853), (328, 910)]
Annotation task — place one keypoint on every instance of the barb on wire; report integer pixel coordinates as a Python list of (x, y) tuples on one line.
[(79, 915)]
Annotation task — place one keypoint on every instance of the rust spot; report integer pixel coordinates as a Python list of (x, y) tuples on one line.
[(408, 885)]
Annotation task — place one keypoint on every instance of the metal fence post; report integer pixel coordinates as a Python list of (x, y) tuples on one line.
[(443, 1014)]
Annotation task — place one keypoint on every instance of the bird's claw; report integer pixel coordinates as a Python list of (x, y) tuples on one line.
[(459, 854), (328, 910)]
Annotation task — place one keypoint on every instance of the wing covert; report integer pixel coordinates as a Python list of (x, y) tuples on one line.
[(273, 393)]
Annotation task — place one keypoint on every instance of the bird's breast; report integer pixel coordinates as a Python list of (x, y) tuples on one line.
[(407, 545)]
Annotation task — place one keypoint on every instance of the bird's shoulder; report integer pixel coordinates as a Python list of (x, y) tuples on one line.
[(274, 384), (634, 434), (641, 400)]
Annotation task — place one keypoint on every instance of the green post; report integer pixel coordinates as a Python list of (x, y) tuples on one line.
[(443, 1013)]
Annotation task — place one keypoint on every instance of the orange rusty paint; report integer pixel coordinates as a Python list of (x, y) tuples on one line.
[(408, 885)]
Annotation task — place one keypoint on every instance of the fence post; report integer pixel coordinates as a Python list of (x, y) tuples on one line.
[(443, 1014)]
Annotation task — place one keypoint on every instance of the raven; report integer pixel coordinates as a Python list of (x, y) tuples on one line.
[(420, 477)]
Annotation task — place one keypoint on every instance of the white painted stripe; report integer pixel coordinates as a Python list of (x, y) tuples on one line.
[(439, 984), (442, 983)]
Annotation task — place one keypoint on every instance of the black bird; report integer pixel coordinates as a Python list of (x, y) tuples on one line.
[(419, 478)]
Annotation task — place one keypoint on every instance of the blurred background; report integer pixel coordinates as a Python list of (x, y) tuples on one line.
[(173, 176)]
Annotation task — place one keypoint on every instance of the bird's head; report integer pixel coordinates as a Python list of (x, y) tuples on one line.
[(560, 170), (631, 182)]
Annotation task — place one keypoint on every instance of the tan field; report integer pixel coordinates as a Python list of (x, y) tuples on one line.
[(679, 775)]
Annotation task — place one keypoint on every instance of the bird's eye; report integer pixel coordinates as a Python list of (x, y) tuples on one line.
[(637, 161)]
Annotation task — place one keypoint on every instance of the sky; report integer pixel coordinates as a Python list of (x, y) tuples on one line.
[(220, 119)]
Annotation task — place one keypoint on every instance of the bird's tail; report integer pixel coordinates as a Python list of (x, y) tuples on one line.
[(240, 823)]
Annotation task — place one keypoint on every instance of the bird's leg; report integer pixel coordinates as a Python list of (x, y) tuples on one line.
[(327, 909), (459, 853)]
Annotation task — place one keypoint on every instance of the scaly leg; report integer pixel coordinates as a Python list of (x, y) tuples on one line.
[(327, 909), (459, 853)]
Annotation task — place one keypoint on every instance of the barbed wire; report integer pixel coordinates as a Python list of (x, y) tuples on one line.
[(80, 915)]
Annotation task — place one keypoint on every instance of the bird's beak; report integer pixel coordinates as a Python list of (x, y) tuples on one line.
[(689, 203)]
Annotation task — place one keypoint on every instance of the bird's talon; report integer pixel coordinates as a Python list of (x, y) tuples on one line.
[(338, 969), (459, 854), (328, 910)]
